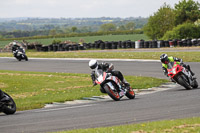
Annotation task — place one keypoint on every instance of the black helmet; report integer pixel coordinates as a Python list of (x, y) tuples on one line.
[(164, 59), (93, 64)]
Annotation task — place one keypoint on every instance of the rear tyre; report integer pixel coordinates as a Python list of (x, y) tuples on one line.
[(9, 107), (130, 93), (112, 93), (182, 81)]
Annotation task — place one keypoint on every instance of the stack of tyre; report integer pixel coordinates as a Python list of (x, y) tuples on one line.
[(119, 45)]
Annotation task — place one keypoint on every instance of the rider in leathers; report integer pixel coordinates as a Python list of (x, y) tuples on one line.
[(165, 60), (106, 67), (15, 49)]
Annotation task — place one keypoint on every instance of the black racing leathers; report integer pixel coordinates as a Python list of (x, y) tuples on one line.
[(105, 67)]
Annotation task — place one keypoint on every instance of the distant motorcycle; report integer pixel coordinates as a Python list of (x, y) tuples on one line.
[(112, 86), (7, 104), (20, 54), (181, 75)]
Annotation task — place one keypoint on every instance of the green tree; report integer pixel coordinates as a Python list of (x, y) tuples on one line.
[(130, 26), (187, 11), (186, 30), (108, 27), (158, 24), (74, 29), (197, 22), (52, 32), (121, 27)]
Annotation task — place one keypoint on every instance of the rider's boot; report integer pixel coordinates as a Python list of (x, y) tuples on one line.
[(1, 94), (126, 83), (3, 97), (192, 73)]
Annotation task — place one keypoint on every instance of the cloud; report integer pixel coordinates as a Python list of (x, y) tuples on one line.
[(81, 8)]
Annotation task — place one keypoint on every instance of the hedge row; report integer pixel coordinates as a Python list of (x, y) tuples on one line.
[(117, 45)]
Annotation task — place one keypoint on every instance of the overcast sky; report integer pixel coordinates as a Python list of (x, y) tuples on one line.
[(81, 8)]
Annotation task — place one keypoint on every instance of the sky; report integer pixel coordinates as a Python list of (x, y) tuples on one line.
[(81, 8)]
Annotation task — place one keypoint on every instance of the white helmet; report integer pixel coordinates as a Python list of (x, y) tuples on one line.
[(14, 43), (93, 64)]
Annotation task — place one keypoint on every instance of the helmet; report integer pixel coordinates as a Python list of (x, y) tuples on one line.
[(93, 64), (14, 43), (164, 59)]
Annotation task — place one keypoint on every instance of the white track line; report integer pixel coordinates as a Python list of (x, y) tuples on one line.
[(87, 59), (56, 109)]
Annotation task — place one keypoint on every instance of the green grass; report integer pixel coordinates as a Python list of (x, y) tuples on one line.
[(87, 39), (32, 90), (186, 56), (190, 125)]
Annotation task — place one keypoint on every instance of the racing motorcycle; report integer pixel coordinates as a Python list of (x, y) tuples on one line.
[(20, 54), (181, 75), (112, 85), (7, 104)]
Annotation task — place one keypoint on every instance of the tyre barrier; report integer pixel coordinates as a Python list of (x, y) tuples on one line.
[(117, 45), (146, 44)]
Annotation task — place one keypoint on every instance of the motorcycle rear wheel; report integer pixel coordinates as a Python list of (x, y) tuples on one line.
[(113, 94), (10, 106), (182, 81)]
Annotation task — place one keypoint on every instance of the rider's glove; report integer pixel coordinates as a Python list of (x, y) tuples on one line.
[(94, 83)]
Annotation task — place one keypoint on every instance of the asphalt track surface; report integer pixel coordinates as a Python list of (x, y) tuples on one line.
[(169, 104)]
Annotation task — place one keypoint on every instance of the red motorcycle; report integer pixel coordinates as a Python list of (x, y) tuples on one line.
[(112, 86), (181, 75)]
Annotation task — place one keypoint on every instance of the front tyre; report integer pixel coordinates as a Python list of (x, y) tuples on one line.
[(183, 81), (195, 84), (112, 93), (26, 58), (9, 107), (130, 93)]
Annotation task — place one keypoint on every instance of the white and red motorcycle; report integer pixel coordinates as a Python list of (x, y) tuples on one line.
[(20, 54), (112, 85)]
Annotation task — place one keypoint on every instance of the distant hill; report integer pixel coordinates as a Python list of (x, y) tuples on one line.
[(31, 24)]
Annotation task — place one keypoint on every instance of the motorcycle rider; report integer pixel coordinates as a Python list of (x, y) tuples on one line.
[(15, 49), (165, 60), (106, 67)]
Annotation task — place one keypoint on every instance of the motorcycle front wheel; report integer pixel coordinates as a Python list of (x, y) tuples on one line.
[(26, 58), (9, 107), (183, 81), (130, 93), (195, 84), (112, 93)]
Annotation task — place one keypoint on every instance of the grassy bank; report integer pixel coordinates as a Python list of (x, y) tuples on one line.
[(186, 56), (191, 125), (87, 39), (33, 90)]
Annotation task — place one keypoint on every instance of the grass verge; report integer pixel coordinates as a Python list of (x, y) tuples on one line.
[(32, 90), (186, 56), (190, 125)]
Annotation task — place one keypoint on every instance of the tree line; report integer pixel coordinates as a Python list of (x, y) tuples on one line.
[(180, 22)]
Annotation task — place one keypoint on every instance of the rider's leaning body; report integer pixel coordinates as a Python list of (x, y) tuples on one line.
[(165, 61), (171, 59), (106, 67)]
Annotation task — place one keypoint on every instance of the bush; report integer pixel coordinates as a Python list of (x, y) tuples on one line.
[(56, 42), (186, 30)]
